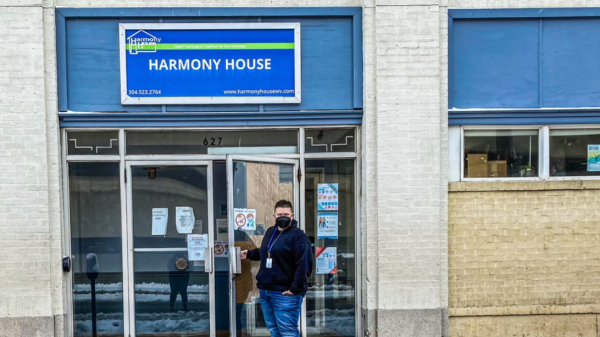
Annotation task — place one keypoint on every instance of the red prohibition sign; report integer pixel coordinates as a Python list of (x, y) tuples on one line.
[(240, 220), (219, 249)]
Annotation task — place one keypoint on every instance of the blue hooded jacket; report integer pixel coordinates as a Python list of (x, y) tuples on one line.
[(292, 257)]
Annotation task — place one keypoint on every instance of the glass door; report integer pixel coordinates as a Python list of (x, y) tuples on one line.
[(254, 185), (170, 249)]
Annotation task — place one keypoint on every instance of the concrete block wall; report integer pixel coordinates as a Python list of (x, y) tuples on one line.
[(404, 171), (521, 250), (30, 235)]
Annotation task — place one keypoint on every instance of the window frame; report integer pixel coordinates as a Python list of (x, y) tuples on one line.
[(547, 141), (543, 149), (541, 156)]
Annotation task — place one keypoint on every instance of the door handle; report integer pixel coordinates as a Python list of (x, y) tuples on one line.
[(208, 260), (237, 260)]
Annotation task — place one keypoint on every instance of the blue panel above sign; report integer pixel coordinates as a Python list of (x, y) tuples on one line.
[(210, 63)]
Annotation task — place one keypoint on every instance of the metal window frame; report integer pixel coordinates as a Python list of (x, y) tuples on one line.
[(230, 219), (131, 250), (549, 129), (299, 204), (503, 127), (544, 152)]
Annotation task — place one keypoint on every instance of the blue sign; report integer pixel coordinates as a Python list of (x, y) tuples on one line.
[(216, 63)]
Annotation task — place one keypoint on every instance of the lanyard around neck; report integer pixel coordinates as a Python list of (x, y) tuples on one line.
[(271, 242)]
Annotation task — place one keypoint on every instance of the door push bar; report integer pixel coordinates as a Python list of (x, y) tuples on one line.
[(208, 260), (236, 259)]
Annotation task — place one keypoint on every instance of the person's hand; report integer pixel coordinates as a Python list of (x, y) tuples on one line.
[(287, 292), (243, 254)]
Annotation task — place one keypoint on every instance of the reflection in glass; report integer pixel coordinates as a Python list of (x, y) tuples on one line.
[(574, 152), (95, 216), (171, 292), (330, 301), (501, 153), (200, 142), (171, 296), (256, 186), (330, 140)]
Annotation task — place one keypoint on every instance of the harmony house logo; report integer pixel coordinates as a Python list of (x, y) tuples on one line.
[(142, 42)]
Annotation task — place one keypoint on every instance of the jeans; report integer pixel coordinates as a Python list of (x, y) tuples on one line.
[(282, 312)]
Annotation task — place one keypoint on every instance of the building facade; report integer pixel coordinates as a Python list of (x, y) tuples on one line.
[(442, 128)]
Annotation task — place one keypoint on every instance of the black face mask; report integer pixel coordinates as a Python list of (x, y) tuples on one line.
[(283, 222)]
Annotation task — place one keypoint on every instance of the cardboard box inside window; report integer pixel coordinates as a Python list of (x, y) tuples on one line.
[(497, 168), (477, 166)]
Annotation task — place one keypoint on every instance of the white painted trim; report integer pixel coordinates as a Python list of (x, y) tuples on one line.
[(544, 162), (69, 320), (171, 157), (156, 250), (128, 238), (253, 150), (301, 210), (230, 221), (330, 155), (211, 243), (454, 153), (358, 235), (124, 242), (93, 158)]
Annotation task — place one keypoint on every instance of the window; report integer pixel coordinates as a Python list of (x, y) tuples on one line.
[(574, 152), (501, 153)]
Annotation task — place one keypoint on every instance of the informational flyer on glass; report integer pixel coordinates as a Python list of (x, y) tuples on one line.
[(326, 260), (222, 232), (327, 195), (160, 219), (327, 225), (198, 227), (221, 249), (245, 218), (593, 161), (196, 244), (184, 219)]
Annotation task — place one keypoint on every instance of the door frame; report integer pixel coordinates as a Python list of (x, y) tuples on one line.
[(129, 327), (230, 220), (122, 158)]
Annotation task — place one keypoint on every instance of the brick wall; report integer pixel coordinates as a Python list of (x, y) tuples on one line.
[(404, 200), (521, 249), (408, 157), (25, 272)]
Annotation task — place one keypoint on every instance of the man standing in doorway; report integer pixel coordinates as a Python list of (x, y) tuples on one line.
[(286, 262)]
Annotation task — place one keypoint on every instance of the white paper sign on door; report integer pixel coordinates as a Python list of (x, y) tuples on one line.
[(326, 260), (196, 243), (221, 249), (222, 232), (184, 219), (160, 218), (245, 219), (327, 225)]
